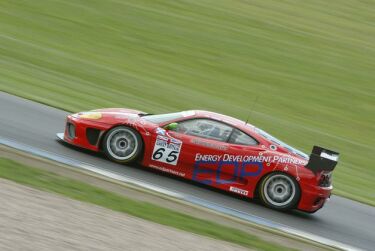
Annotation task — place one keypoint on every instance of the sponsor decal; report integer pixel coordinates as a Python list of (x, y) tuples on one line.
[(239, 191), (209, 171), (333, 157), (228, 168), (208, 144), (249, 158), (166, 150), (167, 170)]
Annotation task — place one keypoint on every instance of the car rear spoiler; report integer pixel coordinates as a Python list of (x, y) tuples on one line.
[(322, 160)]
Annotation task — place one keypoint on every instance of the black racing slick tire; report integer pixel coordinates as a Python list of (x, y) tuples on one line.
[(122, 144), (279, 191)]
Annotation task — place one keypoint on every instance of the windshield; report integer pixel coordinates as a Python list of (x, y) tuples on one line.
[(279, 142), (161, 118)]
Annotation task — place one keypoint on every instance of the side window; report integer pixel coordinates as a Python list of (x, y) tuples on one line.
[(205, 128), (241, 138)]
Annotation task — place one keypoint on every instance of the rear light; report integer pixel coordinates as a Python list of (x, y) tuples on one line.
[(325, 180), (71, 129)]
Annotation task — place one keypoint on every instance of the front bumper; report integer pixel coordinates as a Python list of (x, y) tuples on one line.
[(83, 132)]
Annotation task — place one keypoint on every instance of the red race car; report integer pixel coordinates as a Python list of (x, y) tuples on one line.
[(212, 149)]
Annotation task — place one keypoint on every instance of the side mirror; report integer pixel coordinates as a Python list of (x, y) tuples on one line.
[(172, 126)]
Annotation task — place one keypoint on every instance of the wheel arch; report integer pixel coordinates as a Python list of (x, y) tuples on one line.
[(105, 132)]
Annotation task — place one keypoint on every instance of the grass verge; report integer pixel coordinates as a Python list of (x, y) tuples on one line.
[(51, 182), (311, 63)]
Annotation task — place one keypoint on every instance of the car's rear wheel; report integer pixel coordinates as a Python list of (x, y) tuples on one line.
[(122, 144), (279, 191)]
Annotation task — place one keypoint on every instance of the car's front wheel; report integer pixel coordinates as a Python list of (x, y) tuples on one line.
[(122, 144), (279, 191)]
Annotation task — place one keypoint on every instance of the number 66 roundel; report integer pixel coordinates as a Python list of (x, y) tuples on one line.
[(166, 150)]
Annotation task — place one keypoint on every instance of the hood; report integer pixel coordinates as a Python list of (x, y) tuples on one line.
[(109, 115)]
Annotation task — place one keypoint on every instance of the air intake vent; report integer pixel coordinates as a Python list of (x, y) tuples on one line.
[(71, 130), (92, 135)]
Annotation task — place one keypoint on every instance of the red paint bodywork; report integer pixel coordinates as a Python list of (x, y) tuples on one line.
[(312, 198)]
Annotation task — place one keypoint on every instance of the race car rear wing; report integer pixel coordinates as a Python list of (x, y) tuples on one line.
[(322, 160)]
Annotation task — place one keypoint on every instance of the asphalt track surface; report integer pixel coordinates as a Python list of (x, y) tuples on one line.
[(35, 124)]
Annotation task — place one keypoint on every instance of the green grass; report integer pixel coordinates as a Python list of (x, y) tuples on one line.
[(51, 182), (311, 63)]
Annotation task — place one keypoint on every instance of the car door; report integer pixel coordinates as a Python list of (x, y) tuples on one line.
[(204, 146), (248, 153)]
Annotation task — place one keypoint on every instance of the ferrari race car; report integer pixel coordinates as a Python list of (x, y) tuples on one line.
[(209, 148)]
